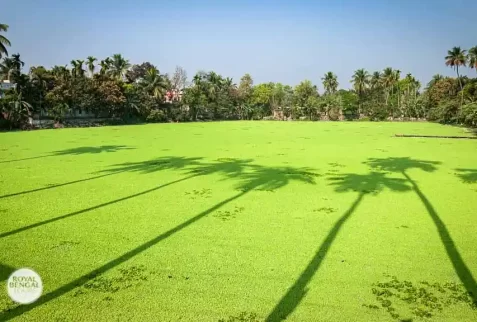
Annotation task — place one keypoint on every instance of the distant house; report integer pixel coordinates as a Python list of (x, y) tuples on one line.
[(173, 96), (5, 86)]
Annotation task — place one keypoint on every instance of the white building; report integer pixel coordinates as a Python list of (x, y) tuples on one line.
[(5, 86)]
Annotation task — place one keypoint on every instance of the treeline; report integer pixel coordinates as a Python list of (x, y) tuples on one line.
[(116, 89)]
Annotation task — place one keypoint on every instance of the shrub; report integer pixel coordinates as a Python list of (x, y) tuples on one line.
[(156, 116), (446, 112), (334, 114), (468, 114)]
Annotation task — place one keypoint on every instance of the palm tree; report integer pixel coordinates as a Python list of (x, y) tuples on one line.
[(4, 41), (90, 63), (10, 68), (119, 66), (60, 72), (330, 83), (436, 78), (360, 81), (105, 66), (229, 83), (79, 68), (375, 80), (387, 80), (472, 57), (74, 69), (396, 78), (456, 57), (16, 110), (38, 77), (7, 68), (154, 83)]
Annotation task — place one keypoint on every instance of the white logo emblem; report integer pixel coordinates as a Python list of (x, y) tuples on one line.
[(24, 286)]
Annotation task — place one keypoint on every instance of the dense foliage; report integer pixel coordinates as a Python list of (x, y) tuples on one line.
[(116, 90)]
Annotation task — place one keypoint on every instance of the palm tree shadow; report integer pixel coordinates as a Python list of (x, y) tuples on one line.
[(467, 175), (402, 165), (250, 176), (5, 272), (372, 183), (77, 151), (92, 150), (159, 164), (163, 163)]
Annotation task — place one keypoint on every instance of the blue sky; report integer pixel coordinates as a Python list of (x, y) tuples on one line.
[(281, 41)]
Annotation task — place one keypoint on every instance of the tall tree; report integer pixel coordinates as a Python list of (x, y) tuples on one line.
[(154, 83), (38, 77), (7, 68), (360, 81), (472, 57), (434, 80), (387, 80), (10, 68), (137, 72), (4, 42), (90, 63), (375, 80), (119, 66), (330, 83), (79, 67), (74, 69), (105, 65), (304, 91), (179, 78), (456, 57), (60, 73)]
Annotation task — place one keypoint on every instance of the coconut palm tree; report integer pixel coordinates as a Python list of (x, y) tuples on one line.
[(375, 80), (154, 83), (472, 57), (4, 42), (38, 76), (360, 82), (330, 83), (229, 84), (90, 63), (387, 80), (119, 66), (11, 67), (434, 80), (7, 68), (457, 57), (16, 110)]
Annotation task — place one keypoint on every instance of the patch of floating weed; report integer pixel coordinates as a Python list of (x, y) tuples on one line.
[(228, 215), (421, 299), (242, 317)]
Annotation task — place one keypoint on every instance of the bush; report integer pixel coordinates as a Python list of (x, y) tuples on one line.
[(468, 114), (334, 114), (156, 116), (446, 112)]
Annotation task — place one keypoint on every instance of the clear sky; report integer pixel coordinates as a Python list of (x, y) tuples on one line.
[(281, 41)]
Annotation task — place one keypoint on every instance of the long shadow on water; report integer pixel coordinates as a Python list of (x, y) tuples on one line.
[(249, 177), (163, 163), (402, 165), (77, 151), (158, 164), (372, 183)]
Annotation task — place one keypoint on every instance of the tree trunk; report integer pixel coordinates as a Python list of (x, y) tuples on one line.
[(461, 88)]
